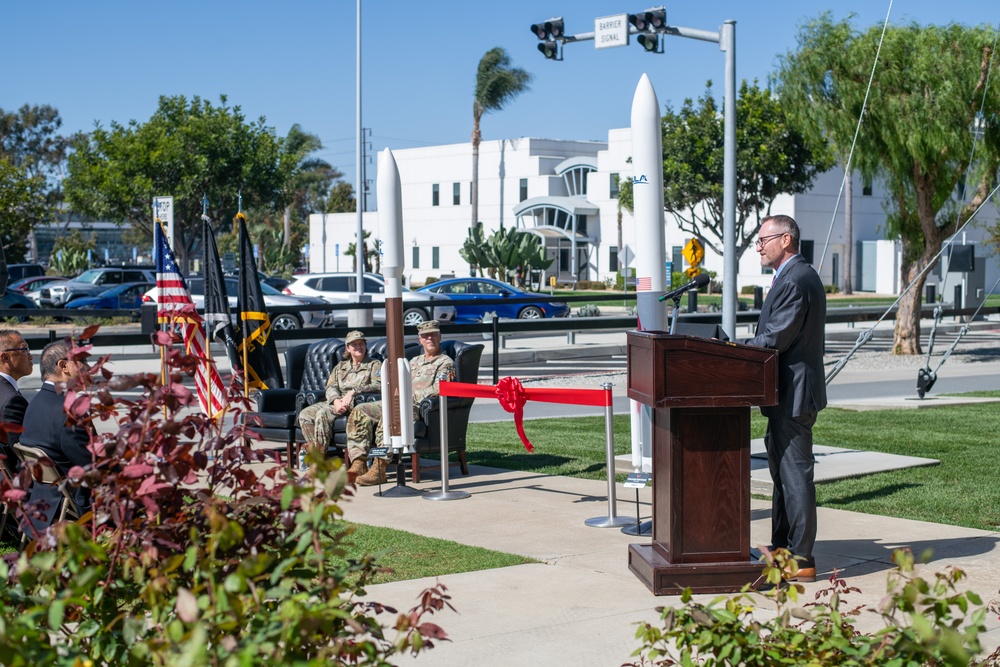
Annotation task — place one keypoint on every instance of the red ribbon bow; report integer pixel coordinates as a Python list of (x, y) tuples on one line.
[(512, 398)]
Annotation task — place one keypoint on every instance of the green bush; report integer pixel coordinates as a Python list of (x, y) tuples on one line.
[(191, 556), (429, 280), (923, 625), (747, 290), (831, 289), (590, 285)]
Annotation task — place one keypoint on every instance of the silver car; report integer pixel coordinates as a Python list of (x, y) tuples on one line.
[(342, 288), (273, 299)]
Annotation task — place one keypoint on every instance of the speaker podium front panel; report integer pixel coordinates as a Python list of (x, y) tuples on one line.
[(701, 392)]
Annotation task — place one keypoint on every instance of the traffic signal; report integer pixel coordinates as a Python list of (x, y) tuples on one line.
[(550, 50), (549, 30), (651, 20), (651, 43)]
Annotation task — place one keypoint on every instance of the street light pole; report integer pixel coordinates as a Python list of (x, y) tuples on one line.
[(729, 266)]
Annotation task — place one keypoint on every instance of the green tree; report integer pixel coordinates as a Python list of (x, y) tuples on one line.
[(824, 112), (918, 131), (772, 158), (497, 83), (30, 142), (22, 200), (187, 149)]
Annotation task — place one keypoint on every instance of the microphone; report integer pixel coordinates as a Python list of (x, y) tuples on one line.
[(700, 280)]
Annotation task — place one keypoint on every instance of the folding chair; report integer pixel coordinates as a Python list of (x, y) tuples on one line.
[(47, 473)]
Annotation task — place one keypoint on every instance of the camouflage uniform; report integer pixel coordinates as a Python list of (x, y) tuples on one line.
[(316, 420), (364, 426)]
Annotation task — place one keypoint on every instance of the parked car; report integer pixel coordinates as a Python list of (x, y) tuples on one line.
[(125, 296), (16, 272), (342, 288), (273, 300), (91, 283), (25, 285), (490, 296), (16, 301)]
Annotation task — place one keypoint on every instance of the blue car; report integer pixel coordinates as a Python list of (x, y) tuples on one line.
[(127, 296), (492, 296)]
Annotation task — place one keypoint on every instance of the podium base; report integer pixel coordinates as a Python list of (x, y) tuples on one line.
[(665, 578)]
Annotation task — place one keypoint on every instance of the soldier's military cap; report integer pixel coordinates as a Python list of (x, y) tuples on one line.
[(430, 326)]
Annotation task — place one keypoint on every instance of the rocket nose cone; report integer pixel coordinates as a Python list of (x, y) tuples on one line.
[(644, 102), (386, 160)]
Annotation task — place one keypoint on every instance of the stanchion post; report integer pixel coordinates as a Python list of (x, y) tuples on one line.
[(612, 520), (444, 493)]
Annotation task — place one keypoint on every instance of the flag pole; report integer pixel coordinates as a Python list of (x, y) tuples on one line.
[(243, 328), (159, 304), (208, 326)]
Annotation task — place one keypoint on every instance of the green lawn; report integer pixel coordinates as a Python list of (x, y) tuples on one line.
[(412, 556), (961, 491)]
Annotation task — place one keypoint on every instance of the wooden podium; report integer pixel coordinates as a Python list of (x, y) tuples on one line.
[(701, 391)]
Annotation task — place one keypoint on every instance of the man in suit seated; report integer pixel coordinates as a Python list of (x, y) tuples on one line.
[(47, 428), (15, 363)]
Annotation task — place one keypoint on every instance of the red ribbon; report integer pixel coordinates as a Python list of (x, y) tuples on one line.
[(512, 396)]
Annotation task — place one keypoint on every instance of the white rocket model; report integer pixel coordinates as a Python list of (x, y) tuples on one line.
[(398, 421), (650, 241)]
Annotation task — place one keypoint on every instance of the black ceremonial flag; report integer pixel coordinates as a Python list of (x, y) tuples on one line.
[(257, 346), (217, 315)]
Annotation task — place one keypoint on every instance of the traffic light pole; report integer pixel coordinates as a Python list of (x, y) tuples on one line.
[(726, 39)]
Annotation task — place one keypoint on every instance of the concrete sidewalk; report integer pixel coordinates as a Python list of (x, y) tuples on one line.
[(580, 604)]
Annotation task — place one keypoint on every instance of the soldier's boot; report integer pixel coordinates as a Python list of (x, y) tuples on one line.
[(375, 474), (359, 467)]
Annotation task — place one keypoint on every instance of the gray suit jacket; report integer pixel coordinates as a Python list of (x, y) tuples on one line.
[(792, 321)]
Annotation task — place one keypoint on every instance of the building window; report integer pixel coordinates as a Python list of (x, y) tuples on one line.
[(435, 257), (524, 189), (456, 194), (614, 186), (866, 187), (676, 258), (435, 195), (613, 258), (564, 265), (416, 258), (806, 250)]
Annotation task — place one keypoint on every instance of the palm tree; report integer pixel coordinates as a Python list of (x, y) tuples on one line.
[(497, 83), (309, 176)]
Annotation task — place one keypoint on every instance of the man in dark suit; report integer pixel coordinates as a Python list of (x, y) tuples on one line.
[(15, 363), (792, 321), (46, 427)]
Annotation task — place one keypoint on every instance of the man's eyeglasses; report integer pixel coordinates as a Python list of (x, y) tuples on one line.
[(762, 241), (26, 350)]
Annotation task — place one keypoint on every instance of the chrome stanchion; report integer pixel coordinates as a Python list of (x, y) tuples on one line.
[(612, 520), (444, 493)]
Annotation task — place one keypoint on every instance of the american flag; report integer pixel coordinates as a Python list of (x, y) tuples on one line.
[(174, 306), (644, 284)]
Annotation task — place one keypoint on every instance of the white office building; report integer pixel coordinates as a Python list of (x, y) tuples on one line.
[(566, 192)]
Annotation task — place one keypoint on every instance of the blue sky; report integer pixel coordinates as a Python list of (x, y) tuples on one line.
[(294, 62)]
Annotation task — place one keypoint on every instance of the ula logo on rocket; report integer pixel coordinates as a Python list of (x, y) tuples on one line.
[(639, 179)]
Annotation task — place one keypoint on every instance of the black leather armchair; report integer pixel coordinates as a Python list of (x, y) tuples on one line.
[(307, 368), (427, 428)]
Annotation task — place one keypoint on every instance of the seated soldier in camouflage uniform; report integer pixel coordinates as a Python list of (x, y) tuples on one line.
[(356, 374), (364, 425)]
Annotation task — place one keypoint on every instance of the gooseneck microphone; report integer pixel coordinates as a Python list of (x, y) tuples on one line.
[(700, 280)]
